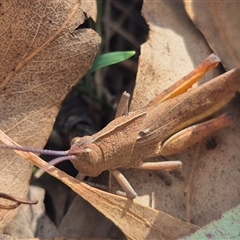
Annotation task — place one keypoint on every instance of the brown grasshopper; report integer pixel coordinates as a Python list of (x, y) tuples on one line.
[(163, 127)]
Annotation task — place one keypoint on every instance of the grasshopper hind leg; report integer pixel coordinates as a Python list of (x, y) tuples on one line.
[(167, 166)]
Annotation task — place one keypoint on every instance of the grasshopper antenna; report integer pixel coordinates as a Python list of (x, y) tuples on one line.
[(35, 150), (53, 162), (62, 156)]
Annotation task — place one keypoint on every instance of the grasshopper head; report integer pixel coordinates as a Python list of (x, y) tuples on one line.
[(89, 158)]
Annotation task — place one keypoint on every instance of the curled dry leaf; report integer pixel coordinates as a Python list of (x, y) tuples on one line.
[(135, 220), (198, 194), (42, 56), (219, 23)]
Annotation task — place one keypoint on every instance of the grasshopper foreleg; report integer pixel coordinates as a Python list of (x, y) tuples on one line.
[(130, 193)]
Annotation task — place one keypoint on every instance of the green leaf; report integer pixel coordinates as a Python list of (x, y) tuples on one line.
[(108, 59), (226, 227)]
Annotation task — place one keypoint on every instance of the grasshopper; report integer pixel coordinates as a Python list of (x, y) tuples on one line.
[(163, 127)]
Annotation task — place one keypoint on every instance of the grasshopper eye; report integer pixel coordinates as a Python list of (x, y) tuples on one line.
[(90, 156), (81, 140), (75, 140)]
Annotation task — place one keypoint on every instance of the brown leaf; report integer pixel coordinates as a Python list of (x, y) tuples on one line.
[(135, 220), (31, 220), (90, 8), (82, 219), (219, 23), (42, 57), (174, 48)]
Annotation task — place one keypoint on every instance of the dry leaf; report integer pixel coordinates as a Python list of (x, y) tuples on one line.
[(135, 220), (174, 48), (31, 220), (42, 57), (219, 23), (84, 220), (199, 193), (208, 182), (226, 227), (5, 237), (90, 8)]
